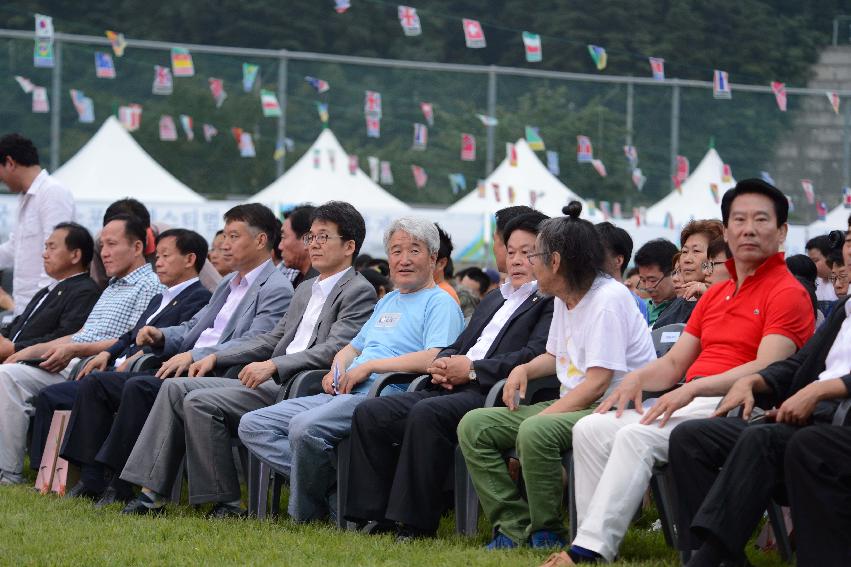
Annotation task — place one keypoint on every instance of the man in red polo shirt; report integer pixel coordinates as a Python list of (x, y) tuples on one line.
[(761, 315)]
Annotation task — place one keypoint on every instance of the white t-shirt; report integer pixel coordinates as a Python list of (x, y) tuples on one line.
[(603, 330)]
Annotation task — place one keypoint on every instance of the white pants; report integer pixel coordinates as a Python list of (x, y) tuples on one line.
[(19, 384), (613, 462)]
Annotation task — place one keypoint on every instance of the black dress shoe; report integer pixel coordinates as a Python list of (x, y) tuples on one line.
[(138, 507), (80, 490), (223, 510), (111, 496)]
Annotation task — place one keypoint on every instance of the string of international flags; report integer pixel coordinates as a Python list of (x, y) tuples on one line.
[(182, 66)]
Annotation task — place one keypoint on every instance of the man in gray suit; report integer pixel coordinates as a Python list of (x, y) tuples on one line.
[(325, 314)]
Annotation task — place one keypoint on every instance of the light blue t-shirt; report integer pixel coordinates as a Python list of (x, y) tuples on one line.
[(407, 322)]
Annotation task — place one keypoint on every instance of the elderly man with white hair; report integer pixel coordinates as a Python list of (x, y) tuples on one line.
[(297, 437)]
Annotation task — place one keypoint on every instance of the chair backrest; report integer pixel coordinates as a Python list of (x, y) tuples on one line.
[(665, 337)]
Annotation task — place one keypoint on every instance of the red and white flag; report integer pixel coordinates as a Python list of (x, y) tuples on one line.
[(130, 116), (511, 153), (246, 145), (474, 35), (420, 176), (599, 166), (163, 81), (372, 104), (809, 192), (638, 178), (726, 173), (373, 127), (779, 90), (420, 136), (468, 147), (373, 168), (657, 67), (168, 130), (682, 171), (187, 124), (428, 112), (210, 132), (584, 150), (217, 89), (833, 97), (40, 103), (386, 175), (496, 193), (409, 20), (353, 164)]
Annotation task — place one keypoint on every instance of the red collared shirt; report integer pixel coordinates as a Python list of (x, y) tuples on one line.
[(730, 324)]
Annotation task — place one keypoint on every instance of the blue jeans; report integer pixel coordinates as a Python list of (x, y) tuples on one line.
[(297, 438)]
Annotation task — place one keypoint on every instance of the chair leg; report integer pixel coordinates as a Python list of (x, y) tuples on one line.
[(781, 536), (278, 481), (262, 493), (572, 516), (663, 498), (466, 499), (177, 486), (343, 451), (252, 468)]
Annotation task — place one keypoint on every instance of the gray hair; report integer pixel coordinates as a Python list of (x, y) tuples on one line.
[(418, 229)]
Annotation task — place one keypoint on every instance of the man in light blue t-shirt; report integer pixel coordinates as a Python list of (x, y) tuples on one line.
[(407, 329)]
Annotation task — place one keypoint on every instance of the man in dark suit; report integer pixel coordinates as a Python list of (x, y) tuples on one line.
[(180, 255), (404, 484), (198, 416), (62, 307), (718, 511)]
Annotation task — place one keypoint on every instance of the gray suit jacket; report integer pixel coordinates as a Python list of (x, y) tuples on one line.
[(262, 306), (346, 309)]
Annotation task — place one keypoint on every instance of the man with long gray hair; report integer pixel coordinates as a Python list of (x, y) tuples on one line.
[(297, 437)]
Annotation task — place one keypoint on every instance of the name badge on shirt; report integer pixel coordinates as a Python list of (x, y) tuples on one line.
[(388, 320)]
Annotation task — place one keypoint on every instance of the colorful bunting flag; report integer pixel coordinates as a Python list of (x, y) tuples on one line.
[(104, 67), (833, 97), (428, 112), (117, 41), (552, 162), (210, 132), (533, 198), (340, 6), (496, 193), (598, 54), (410, 21), (791, 204), (657, 67), (43, 53), (168, 130), (420, 136), (617, 211), (317, 157), (488, 120), (631, 154), (40, 104), (638, 178), (669, 221), (289, 144), (511, 154), (726, 173), (532, 43), (584, 149), (713, 188), (468, 147), (322, 109), (533, 138), (809, 192), (43, 27), (606, 210), (318, 85), (280, 151), (386, 177), (353, 164), (474, 35), (269, 102), (511, 195), (481, 189), (249, 75), (373, 127), (181, 62), (779, 90), (765, 176), (84, 106), (373, 168), (217, 89), (332, 158), (26, 85), (636, 214), (821, 210), (236, 132), (420, 176), (457, 182), (846, 197), (186, 123), (599, 166), (682, 172), (163, 81), (130, 116), (246, 146), (372, 104), (721, 85)]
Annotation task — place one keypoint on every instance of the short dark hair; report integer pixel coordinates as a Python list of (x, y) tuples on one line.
[(133, 227), (480, 277), (835, 258), (362, 261), (300, 218), (502, 217), (380, 265), (616, 241), (658, 252), (633, 271), (348, 219), (276, 252), (820, 243), (759, 187), (527, 222), (803, 267), (128, 206), (188, 242), (716, 247), (446, 247), (20, 149), (578, 244), (258, 217), (77, 237)]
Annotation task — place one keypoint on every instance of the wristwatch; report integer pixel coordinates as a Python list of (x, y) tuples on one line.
[(472, 374)]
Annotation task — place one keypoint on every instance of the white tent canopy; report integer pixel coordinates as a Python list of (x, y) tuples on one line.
[(330, 180), (837, 219), (695, 200), (112, 165), (528, 177)]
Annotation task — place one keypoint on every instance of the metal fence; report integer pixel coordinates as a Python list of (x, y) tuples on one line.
[(662, 119)]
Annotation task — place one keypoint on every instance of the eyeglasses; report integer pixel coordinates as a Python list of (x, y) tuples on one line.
[(709, 266), (531, 257), (649, 284), (320, 239), (840, 278)]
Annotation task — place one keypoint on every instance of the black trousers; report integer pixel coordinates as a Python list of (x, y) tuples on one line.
[(403, 449), (818, 475), (96, 433), (725, 474), (56, 397)]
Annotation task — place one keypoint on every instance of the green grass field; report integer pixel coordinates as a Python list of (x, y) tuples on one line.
[(48, 530)]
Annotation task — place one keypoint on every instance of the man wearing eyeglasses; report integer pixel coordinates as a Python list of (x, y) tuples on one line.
[(654, 261)]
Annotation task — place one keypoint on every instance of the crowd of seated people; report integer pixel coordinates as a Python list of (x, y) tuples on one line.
[(170, 370)]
